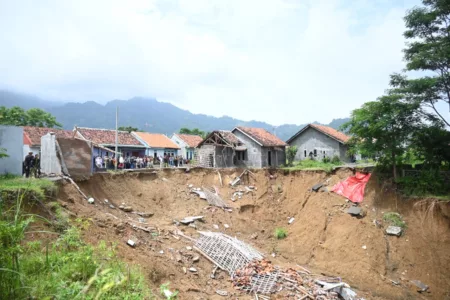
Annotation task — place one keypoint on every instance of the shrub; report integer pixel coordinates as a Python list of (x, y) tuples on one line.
[(291, 151), (336, 160), (394, 219), (428, 182), (280, 233), (326, 160)]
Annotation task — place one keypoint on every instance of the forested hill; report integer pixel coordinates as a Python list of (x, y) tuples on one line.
[(144, 113)]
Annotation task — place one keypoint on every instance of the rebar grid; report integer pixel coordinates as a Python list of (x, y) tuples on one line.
[(262, 283), (228, 253)]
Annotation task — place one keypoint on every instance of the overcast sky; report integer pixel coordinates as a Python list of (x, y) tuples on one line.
[(279, 61)]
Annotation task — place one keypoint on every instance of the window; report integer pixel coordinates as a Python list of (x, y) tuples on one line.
[(240, 155), (305, 152), (315, 152)]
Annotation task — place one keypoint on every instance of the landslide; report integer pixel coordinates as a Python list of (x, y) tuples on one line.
[(323, 237)]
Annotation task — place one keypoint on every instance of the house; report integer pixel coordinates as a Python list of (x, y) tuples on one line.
[(32, 137), (157, 144), (318, 141), (263, 149), (128, 144), (219, 150), (187, 143), (11, 144)]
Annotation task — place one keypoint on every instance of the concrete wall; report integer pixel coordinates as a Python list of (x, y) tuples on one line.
[(278, 156), (253, 153), (205, 156), (223, 157), (311, 139), (49, 160), (77, 157), (11, 138)]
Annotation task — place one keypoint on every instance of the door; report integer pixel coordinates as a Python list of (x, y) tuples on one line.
[(269, 158)]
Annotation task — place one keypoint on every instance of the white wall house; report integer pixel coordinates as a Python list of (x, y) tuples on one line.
[(187, 144)]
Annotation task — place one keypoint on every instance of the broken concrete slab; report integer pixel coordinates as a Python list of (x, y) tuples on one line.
[(199, 193), (131, 243), (188, 220), (222, 293), (316, 187), (421, 287), (354, 210), (394, 230), (235, 181)]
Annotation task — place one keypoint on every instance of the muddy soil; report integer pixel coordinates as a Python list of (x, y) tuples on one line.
[(323, 237)]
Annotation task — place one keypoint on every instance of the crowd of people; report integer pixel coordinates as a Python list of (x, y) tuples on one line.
[(135, 162), (31, 165)]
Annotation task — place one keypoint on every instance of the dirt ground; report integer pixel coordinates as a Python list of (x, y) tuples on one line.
[(323, 237)]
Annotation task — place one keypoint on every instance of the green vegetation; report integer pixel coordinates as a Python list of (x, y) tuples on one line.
[(280, 233), (128, 128), (17, 116), (3, 153), (309, 164), (194, 131), (291, 151), (168, 294), (404, 128), (65, 268), (33, 186), (394, 219)]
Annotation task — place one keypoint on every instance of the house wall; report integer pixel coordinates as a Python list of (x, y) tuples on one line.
[(312, 139), (11, 138), (205, 156), (278, 157), (223, 157), (50, 163), (77, 156), (160, 152), (182, 144), (253, 155)]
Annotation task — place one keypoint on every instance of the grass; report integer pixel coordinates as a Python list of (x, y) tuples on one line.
[(309, 164), (280, 233), (62, 268), (14, 184), (394, 219)]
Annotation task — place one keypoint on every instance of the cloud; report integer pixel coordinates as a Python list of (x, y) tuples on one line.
[(280, 61)]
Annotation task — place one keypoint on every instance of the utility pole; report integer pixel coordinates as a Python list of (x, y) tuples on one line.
[(117, 137)]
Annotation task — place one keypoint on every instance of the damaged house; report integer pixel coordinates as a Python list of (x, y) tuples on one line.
[(241, 147)]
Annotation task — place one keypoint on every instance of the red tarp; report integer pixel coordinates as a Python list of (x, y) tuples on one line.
[(353, 187)]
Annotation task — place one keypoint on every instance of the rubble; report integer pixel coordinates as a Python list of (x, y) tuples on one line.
[(91, 200), (291, 220), (421, 287), (316, 187), (145, 214), (193, 270), (394, 230), (222, 293), (356, 211), (126, 208), (131, 243), (214, 199), (188, 220)]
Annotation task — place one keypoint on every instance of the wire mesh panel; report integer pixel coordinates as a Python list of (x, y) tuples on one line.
[(228, 253), (263, 284), (214, 199)]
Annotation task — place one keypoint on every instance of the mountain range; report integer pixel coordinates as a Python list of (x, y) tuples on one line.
[(144, 113)]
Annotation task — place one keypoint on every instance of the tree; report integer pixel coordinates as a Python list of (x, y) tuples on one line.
[(428, 30), (194, 131), (17, 116), (383, 128), (127, 128), (291, 151)]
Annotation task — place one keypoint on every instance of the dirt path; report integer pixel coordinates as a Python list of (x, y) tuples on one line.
[(323, 236)]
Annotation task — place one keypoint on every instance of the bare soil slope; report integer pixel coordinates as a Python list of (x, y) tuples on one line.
[(323, 236)]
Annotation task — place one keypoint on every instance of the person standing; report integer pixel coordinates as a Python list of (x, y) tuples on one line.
[(28, 163), (37, 166)]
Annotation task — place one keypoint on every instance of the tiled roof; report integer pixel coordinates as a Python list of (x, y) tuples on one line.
[(331, 132), (262, 136), (108, 136), (190, 139), (156, 140), (227, 135), (33, 134)]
